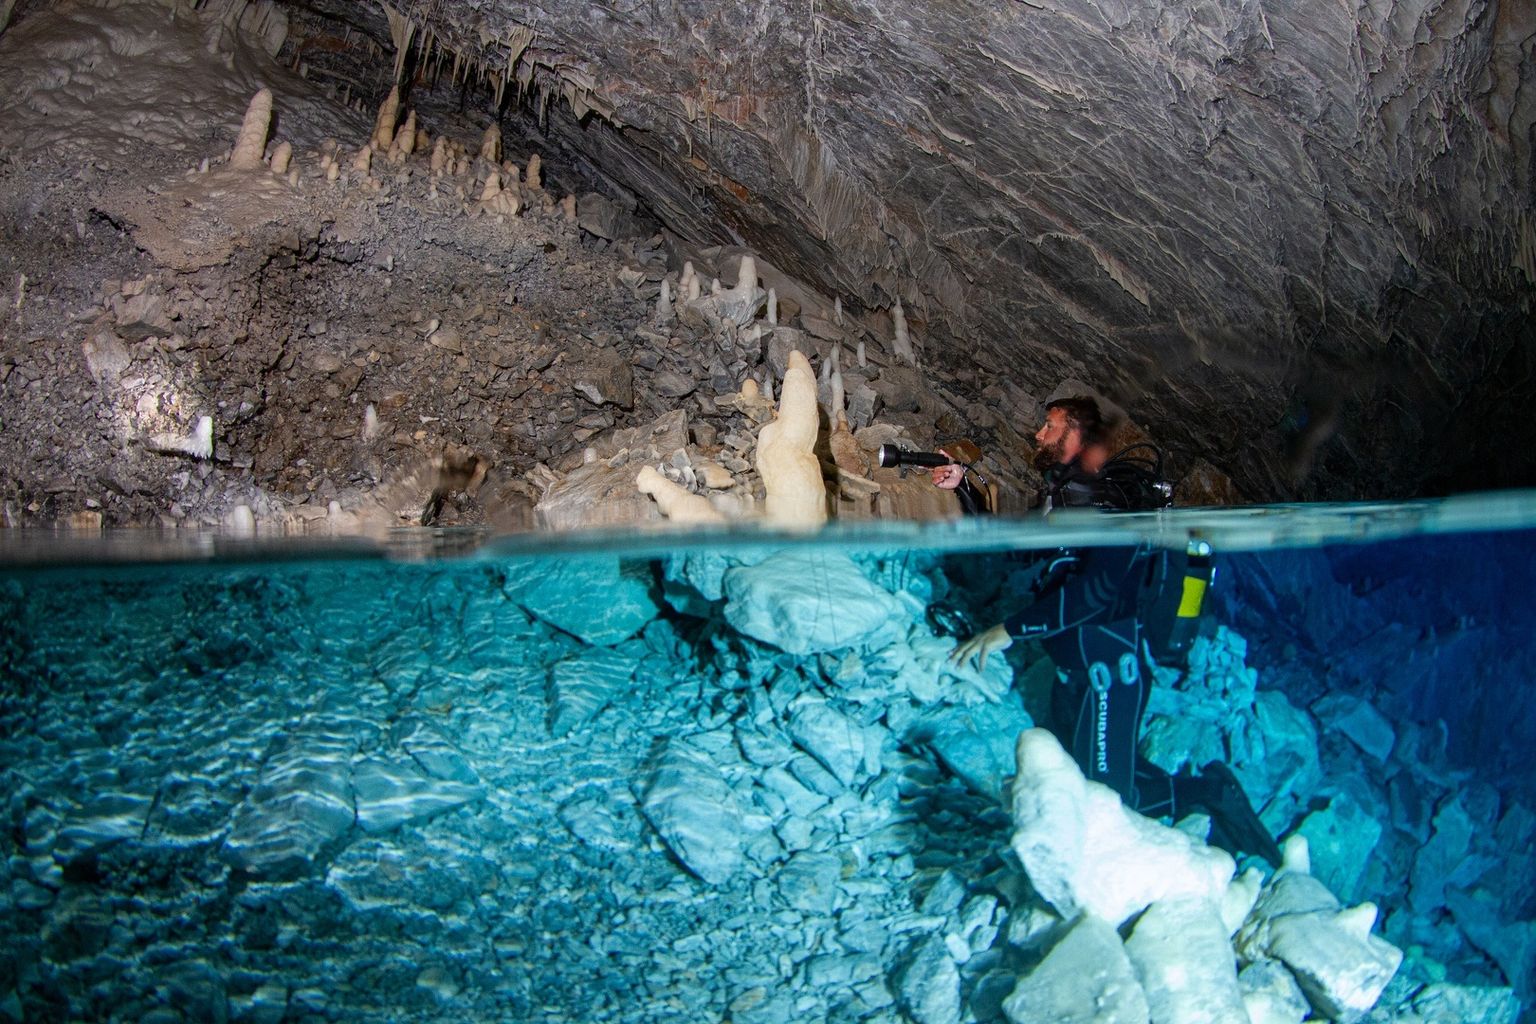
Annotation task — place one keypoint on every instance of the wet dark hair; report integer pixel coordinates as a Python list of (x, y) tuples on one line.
[(1082, 414)]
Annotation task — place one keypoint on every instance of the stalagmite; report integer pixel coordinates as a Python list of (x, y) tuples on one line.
[(251, 144), (786, 458), (746, 277), (492, 187), (384, 127), (773, 306), (901, 342), (837, 311), (490, 144), (676, 502), (862, 360), (440, 157), (568, 207), (280, 157), (363, 162), (534, 178), (664, 302), (405, 140)]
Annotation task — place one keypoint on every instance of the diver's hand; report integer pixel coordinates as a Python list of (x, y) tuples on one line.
[(981, 645), (947, 477)]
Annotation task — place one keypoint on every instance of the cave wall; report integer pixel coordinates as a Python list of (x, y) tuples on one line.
[(1295, 239)]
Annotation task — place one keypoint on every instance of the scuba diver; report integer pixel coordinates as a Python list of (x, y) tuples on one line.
[(1106, 615)]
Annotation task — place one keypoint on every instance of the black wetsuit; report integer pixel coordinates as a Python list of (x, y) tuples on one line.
[(1086, 614)]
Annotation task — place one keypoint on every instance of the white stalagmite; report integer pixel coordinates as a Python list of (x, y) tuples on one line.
[(1085, 851), (837, 310), (746, 276), (676, 502), (534, 177), (282, 153), (862, 360), (384, 126), (839, 405), (664, 302), (901, 343), (773, 306), (251, 143), (786, 458), (490, 144)]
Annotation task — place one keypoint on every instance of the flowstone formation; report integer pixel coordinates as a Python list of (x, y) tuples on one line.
[(280, 797)]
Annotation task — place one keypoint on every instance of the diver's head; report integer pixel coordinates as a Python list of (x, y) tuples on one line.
[(1071, 425)]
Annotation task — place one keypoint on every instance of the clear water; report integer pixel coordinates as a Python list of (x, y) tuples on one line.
[(562, 779)]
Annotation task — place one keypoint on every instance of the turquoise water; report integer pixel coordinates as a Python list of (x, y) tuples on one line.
[(728, 778)]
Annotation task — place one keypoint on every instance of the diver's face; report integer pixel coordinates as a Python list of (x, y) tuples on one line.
[(1059, 441)]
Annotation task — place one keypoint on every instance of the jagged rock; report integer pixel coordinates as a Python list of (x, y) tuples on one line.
[(809, 882), (809, 601), (1183, 957), (606, 379), (601, 820), (106, 357), (566, 596), (1442, 1002), (695, 813), (976, 742), (1341, 837), (582, 686), (1271, 995), (1359, 721), (1339, 964), (1084, 979), (299, 808), (389, 794), (929, 984), (830, 737)]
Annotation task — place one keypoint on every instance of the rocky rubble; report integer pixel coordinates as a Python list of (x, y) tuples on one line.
[(468, 790)]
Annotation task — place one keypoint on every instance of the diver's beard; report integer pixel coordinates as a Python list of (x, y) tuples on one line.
[(1046, 457)]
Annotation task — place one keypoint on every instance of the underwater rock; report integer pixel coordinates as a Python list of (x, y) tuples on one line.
[(389, 795), (695, 813), (1086, 978), (1359, 721), (805, 602), (582, 686), (299, 808), (1339, 964), (1182, 954), (1085, 851), (929, 984), (1466, 1003), (829, 737), (601, 820), (974, 742), (430, 749), (1271, 995), (603, 601), (809, 882), (1340, 838)]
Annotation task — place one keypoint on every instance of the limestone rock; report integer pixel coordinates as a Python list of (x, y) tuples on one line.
[(695, 813), (390, 794), (601, 599), (1183, 957), (1085, 852), (806, 601), (1084, 979), (582, 686)]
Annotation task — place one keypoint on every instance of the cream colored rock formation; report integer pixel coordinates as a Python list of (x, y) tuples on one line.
[(281, 155), (534, 177), (786, 458), (676, 502), (251, 143), (384, 125)]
